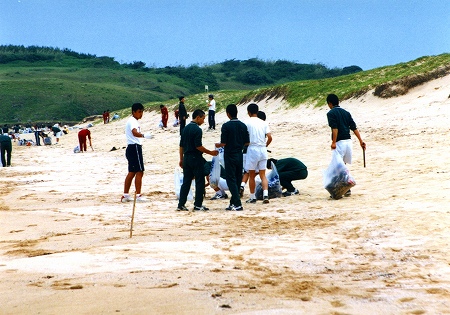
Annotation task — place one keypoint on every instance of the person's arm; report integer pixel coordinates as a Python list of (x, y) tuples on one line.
[(361, 142), (334, 134), (136, 133), (205, 150), (181, 152), (269, 139), (220, 145)]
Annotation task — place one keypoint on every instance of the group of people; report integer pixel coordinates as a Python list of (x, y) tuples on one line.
[(254, 135)]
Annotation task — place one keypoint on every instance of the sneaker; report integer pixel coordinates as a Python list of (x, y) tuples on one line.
[(201, 208), (141, 198), (182, 208), (348, 193), (250, 200), (125, 199), (266, 199), (234, 208), (229, 207), (290, 193), (219, 196), (241, 192)]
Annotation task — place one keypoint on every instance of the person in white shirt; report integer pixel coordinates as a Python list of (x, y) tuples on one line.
[(211, 112), (256, 158), (133, 153)]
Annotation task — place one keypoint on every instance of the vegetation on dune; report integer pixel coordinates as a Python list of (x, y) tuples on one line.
[(44, 84)]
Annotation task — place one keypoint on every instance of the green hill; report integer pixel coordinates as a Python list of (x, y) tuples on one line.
[(45, 85)]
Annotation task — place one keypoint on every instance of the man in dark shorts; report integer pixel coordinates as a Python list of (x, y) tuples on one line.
[(191, 160), (134, 154), (234, 135)]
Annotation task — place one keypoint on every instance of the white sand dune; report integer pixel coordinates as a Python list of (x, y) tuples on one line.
[(65, 245)]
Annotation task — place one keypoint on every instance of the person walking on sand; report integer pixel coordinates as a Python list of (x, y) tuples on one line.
[(234, 135), (211, 112), (191, 152), (164, 116), (82, 135), (6, 149), (256, 157), (133, 154), (183, 115), (341, 122)]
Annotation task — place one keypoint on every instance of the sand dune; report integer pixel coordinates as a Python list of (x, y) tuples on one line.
[(65, 246)]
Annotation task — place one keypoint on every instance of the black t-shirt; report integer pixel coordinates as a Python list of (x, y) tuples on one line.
[(191, 138), (340, 119), (234, 135)]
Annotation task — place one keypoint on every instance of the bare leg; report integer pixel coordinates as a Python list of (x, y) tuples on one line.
[(128, 181), (138, 182)]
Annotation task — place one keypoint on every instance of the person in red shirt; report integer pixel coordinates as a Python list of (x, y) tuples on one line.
[(164, 115), (82, 135)]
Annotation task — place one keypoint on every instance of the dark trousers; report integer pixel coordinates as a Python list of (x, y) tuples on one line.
[(38, 138), (233, 171), (6, 149), (193, 166), (182, 124), (286, 178), (212, 119)]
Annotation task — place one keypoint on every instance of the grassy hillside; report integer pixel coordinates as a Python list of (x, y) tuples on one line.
[(44, 84)]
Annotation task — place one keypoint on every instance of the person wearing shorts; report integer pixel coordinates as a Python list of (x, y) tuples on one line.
[(341, 122), (256, 158), (133, 154)]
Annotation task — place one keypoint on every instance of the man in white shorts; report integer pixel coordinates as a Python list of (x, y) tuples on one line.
[(256, 158), (341, 122)]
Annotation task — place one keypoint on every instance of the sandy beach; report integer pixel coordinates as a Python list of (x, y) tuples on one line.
[(65, 246)]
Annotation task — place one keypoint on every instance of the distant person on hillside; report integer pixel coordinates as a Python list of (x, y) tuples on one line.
[(341, 122), (104, 116), (107, 116), (82, 135), (211, 112), (183, 113), (164, 116), (133, 154), (6, 149)]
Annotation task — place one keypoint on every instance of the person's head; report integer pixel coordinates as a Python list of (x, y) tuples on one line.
[(252, 109), (261, 115), (269, 163), (137, 110), (332, 100), (181, 98), (161, 106), (198, 116), (232, 111), (210, 96)]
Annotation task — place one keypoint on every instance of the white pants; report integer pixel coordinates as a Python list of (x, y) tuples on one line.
[(344, 148)]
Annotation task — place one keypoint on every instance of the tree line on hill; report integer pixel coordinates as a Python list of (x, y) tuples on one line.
[(250, 73)]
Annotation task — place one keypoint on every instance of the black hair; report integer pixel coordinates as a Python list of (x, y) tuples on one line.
[(180, 98), (333, 99), (232, 110), (136, 107), (269, 163), (198, 113), (161, 106), (253, 108), (261, 115), (211, 96)]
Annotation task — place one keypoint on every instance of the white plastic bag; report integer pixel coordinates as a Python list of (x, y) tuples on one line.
[(178, 182), (214, 173), (275, 189), (336, 178)]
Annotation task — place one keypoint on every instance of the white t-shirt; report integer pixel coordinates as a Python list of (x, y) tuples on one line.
[(132, 123), (213, 105), (257, 129)]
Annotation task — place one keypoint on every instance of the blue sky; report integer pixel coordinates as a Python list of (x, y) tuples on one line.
[(336, 33)]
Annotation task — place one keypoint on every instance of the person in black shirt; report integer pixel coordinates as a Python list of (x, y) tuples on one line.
[(234, 136), (183, 115), (191, 160), (341, 122)]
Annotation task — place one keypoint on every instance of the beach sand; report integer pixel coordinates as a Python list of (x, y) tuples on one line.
[(65, 245)]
